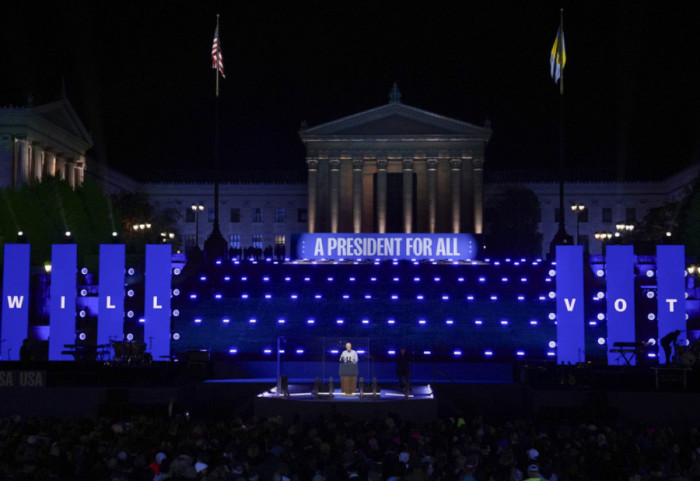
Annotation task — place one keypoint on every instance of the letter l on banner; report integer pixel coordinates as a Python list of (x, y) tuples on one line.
[(156, 331)]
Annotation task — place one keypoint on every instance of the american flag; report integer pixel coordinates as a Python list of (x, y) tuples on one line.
[(217, 60)]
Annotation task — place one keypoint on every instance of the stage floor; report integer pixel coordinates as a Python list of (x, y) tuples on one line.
[(301, 401)]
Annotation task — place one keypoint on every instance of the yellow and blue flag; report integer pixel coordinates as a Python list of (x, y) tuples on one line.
[(557, 59)]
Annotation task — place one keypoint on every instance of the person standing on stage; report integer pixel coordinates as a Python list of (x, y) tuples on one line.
[(403, 369), (669, 341), (348, 355)]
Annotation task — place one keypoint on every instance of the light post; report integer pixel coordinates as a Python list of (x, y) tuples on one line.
[(623, 228), (603, 237), (197, 208), (578, 210)]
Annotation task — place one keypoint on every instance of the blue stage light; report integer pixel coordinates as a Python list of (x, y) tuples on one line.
[(346, 296), (504, 322), (391, 352), (82, 336), (299, 351), (318, 296), (534, 322), (334, 351), (368, 296), (373, 279), (233, 350), (365, 321), (252, 320), (281, 321), (176, 292), (449, 322), (650, 294), (601, 341), (176, 336), (307, 279), (130, 293), (548, 279), (436, 279), (193, 296), (352, 279), (488, 353), (225, 320), (552, 316), (268, 296), (445, 297), (600, 316), (651, 354), (457, 353), (494, 298), (294, 296), (218, 296), (460, 279), (266, 279), (218, 262), (142, 320), (496, 263), (521, 298), (82, 313), (542, 298), (592, 323), (244, 296), (176, 312), (651, 316), (330, 279), (478, 322), (650, 273), (339, 321), (552, 344), (244, 279), (131, 271), (83, 292), (422, 322), (427, 353), (552, 272), (311, 321), (420, 297), (391, 321), (520, 353), (203, 278), (551, 353), (267, 351), (227, 278), (552, 294), (394, 297), (129, 337), (416, 279), (287, 279), (523, 280), (504, 279), (470, 298), (396, 279), (177, 271), (482, 279), (361, 351), (198, 320), (129, 314), (600, 273)]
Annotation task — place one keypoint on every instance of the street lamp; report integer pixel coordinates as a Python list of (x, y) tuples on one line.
[(603, 237), (197, 208), (578, 210)]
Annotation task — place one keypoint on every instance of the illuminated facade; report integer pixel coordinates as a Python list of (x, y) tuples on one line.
[(46, 140), (395, 168)]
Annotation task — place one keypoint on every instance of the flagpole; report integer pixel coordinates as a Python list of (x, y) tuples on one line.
[(561, 25), (217, 69)]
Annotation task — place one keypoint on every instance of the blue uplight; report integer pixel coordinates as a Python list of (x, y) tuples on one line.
[(368, 296), (478, 322), (460, 279), (436, 279), (227, 278), (311, 321), (294, 296), (523, 280), (281, 321), (352, 279), (396, 279), (457, 353), (427, 353), (318, 296), (346, 296), (416, 279), (449, 322), (334, 351), (233, 350), (394, 297), (520, 353), (365, 321), (266, 279), (488, 353), (533, 322), (445, 297), (494, 298), (268, 296), (470, 298), (391, 352), (422, 322), (482, 280), (244, 296), (339, 321), (267, 351), (391, 321), (330, 279), (192, 296), (287, 279), (252, 320), (198, 321), (504, 322), (299, 351), (218, 296), (420, 297), (521, 298)]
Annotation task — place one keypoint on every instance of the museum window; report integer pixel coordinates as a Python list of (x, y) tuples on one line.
[(258, 241), (302, 215), (257, 215), (234, 241), (280, 215), (189, 241), (280, 240), (235, 215), (607, 214)]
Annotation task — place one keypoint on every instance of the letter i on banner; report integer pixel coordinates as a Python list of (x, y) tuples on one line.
[(64, 268), (15, 300), (110, 313), (571, 347), (156, 330), (619, 275), (670, 272)]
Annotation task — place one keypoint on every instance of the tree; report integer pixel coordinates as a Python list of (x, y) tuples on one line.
[(513, 226), (142, 224)]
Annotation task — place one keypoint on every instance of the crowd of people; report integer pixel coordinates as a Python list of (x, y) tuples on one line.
[(333, 448)]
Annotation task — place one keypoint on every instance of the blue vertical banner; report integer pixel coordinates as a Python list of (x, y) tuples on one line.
[(110, 312), (15, 300), (619, 275), (571, 346), (156, 330), (670, 272), (64, 269)]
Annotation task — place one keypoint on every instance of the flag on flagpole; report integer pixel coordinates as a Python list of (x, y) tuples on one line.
[(217, 59), (557, 58)]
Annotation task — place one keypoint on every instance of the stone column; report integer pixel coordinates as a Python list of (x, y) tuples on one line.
[(70, 173), (407, 196), (37, 160), (381, 195), (61, 168), (312, 193), (432, 195), (334, 193), (49, 163), (478, 174), (357, 196), (24, 161), (456, 192)]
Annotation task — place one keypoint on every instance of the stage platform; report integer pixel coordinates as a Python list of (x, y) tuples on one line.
[(301, 401)]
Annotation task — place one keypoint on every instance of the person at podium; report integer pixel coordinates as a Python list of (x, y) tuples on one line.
[(348, 370)]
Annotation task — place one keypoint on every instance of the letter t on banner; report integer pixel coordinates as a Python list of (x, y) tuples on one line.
[(670, 271), (619, 275), (110, 313), (571, 346), (156, 331), (15, 300)]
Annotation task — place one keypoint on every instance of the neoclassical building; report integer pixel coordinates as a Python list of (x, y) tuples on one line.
[(395, 168), (48, 139)]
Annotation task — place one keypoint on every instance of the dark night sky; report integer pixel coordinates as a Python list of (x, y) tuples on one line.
[(140, 77)]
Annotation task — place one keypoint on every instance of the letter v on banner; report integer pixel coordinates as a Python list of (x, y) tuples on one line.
[(571, 346)]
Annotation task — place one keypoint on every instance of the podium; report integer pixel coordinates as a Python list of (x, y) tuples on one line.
[(348, 377)]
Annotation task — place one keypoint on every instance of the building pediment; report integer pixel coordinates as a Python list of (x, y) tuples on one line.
[(62, 116), (396, 119)]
